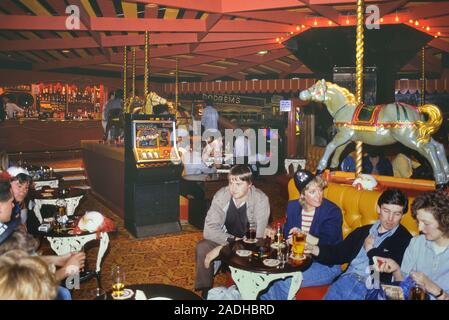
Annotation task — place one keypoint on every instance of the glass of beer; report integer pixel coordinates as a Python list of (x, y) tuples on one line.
[(251, 231), (298, 244), (118, 282), (417, 293)]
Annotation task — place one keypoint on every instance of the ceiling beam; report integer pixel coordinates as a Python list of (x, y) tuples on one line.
[(207, 6), (231, 44), (439, 44), (55, 23), (237, 52), (280, 16), (232, 36), (429, 10), (327, 12), (233, 71), (88, 42), (250, 26), (69, 63)]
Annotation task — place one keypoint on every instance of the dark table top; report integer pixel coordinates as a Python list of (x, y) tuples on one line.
[(211, 177), (48, 193), (255, 263), (154, 290)]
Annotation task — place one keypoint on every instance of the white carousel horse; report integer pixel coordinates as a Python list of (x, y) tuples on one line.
[(379, 125)]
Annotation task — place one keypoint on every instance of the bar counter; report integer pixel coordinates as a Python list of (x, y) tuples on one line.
[(104, 165), (34, 135)]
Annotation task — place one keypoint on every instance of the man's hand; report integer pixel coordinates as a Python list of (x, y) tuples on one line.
[(269, 232), (75, 263), (212, 255)]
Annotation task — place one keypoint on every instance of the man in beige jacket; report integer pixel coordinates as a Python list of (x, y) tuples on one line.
[(232, 208)]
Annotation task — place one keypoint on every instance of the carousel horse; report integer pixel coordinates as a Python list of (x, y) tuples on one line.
[(379, 125)]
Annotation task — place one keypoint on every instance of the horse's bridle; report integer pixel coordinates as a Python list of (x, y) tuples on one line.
[(324, 99)]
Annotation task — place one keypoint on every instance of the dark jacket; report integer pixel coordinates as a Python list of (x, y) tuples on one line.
[(326, 224), (384, 167), (344, 252)]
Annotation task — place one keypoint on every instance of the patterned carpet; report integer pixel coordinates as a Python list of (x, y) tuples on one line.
[(168, 259)]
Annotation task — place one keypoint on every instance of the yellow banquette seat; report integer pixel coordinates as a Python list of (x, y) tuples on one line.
[(357, 206)]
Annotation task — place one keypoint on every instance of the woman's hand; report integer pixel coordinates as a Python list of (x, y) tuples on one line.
[(290, 234), (311, 249), (214, 253), (424, 282)]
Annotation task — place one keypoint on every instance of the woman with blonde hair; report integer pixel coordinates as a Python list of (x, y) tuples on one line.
[(24, 277), (314, 215)]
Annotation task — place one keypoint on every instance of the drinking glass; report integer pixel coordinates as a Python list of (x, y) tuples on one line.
[(118, 282), (298, 244), (99, 294), (251, 231), (417, 293)]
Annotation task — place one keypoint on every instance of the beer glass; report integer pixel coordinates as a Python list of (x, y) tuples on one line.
[(118, 282), (298, 244), (417, 293), (251, 231)]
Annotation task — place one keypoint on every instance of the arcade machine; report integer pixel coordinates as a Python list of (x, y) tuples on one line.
[(152, 174)]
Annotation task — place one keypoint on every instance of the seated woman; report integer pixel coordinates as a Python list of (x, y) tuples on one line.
[(426, 259), (315, 215)]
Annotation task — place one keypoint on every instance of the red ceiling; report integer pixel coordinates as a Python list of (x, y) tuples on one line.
[(211, 39)]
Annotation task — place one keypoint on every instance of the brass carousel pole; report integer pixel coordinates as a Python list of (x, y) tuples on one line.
[(423, 77), (359, 76), (176, 85), (125, 66), (146, 78), (134, 72)]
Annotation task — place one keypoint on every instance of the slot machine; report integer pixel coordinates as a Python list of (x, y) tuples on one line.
[(152, 174)]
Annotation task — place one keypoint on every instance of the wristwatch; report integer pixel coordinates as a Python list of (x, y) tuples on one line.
[(440, 293)]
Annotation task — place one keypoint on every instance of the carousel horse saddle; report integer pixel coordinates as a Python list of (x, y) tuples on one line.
[(366, 115)]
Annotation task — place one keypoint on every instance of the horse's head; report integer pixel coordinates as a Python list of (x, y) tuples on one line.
[(317, 92)]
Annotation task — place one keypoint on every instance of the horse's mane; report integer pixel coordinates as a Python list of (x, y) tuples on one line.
[(345, 92)]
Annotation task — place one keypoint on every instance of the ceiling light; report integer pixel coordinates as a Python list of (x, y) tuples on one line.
[(347, 21), (217, 80), (416, 23), (381, 19), (262, 52), (171, 72), (330, 22), (255, 79), (297, 28), (396, 19), (65, 51)]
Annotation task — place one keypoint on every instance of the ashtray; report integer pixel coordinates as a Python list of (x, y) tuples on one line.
[(302, 257), (127, 293), (249, 240), (276, 245), (271, 262), (243, 253)]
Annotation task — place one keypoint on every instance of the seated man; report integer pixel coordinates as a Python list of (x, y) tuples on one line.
[(231, 209), (385, 238)]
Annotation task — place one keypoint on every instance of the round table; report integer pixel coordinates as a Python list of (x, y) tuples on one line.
[(51, 181), (154, 290), (250, 274), (51, 196)]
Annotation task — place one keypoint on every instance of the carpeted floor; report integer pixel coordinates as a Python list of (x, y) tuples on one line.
[(168, 259)]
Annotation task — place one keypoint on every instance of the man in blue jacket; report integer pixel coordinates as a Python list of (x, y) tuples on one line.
[(385, 238), (317, 216)]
